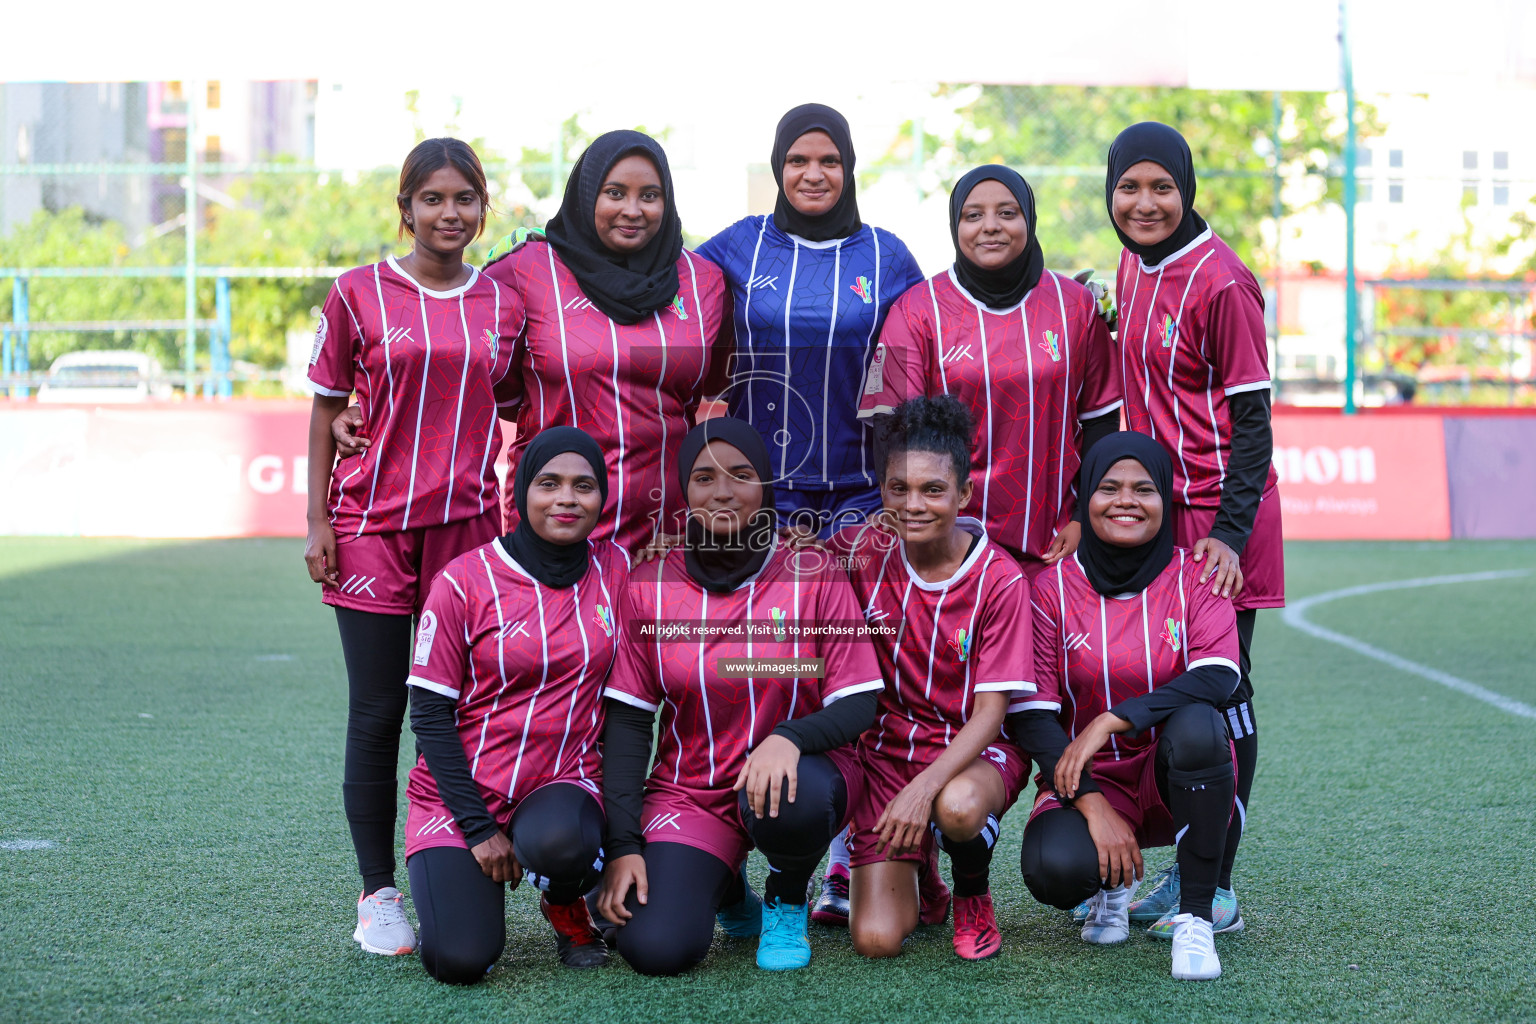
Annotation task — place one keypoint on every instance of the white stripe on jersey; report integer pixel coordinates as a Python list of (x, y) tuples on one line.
[(1183, 613), (826, 371), (586, 656), (565, 356), (1064, 684), (661, 416), (789, 300), (1173, 353), (495, 410), (751, 689), (421, 405), (1029, 365), (618, 419), (517, 766), (358, 328), (501, 661), (704, 340), (869, 343), (1109, 701), (1146, 648), (746, 312), (1066, 394), (389, 391), (458, 414), (709, 726)]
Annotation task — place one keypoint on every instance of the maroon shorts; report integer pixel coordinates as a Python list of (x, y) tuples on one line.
[(1263, 559), (429, 823), (1130, 786), (884, 777), (710, 820), (390, 573)]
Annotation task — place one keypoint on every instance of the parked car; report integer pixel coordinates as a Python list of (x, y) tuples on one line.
[(111, 376)]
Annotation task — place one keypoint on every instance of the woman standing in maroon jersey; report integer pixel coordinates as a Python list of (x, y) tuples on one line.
[(1195, 369)]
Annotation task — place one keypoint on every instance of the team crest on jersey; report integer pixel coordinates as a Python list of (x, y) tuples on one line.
[(864, 289), (1172, 635), (960, 643), (320, 333), (780, 634), (1168, 332), (679, 308), (1051, 346), (604, 618), (491, 338)]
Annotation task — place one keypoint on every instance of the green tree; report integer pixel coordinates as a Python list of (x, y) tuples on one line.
[(1059, 136)]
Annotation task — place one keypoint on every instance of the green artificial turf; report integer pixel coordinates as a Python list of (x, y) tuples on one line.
[(173, 724)]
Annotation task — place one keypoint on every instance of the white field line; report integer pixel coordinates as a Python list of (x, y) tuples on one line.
[(1295, 616)]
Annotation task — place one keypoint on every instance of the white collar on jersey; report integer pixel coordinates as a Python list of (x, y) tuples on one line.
[(750, 579), (830, 243), (969, 525), (452, 293), (1198, 240), (982, 305), (517, 566)]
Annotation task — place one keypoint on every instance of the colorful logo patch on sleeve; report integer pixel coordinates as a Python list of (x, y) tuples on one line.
[(604, 619), (864, 289), (1168, 331), (425, 634), (1051, 346), (780, 634), (320, 333), (1172, 635), (960, 643), (679, 308)]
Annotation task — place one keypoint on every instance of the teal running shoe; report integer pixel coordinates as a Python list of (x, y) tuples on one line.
[(1080, 912), (1224, 917), (743, 919), (784, 945), (1161, 900)]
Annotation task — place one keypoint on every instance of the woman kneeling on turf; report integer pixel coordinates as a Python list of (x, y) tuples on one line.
[(747, 754), (1144, 655), (513, 649), (953, 609)]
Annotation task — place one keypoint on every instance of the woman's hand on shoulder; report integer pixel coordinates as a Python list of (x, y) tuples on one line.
[(657, 548)]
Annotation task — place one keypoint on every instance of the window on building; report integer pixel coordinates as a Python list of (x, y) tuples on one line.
[(1364, 191), (1363, 156), (1394, 158), (1500, 160), (214, 95), (1394, 191), (173, 92), (1469, 160), (1501, 193), (213, 149), (1469, 193)]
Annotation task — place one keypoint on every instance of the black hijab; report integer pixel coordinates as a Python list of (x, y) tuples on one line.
[(999, 287), (843, 219), (554, 565), (628, 287), (1165, 147), (1116, 570), (721, 564)]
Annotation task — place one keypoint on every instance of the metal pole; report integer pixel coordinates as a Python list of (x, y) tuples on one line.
[(1277, 211), (190, 351), (1351, 300), (222, 332), (20, 315)]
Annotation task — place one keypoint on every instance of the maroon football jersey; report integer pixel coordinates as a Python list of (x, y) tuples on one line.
[(939, 644), (1191, 333), (428, 368), (526, 663), (1030, 375), (711, 717), (635, 388), (1092, 651)]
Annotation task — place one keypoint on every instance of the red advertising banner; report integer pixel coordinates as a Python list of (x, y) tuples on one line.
[(1362, 477), (201, 470)]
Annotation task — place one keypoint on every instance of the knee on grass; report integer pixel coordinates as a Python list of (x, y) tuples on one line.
[(657, 955), (878, 941), (456, 963), (1058, 859)]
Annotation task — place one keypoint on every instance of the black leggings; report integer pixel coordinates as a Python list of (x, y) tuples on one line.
[(1194, 777), (557, 835), (1245, 741), (672, 931), (377, 649)]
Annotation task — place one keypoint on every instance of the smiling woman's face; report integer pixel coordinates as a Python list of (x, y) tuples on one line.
[(1126, 509), (992, 230)]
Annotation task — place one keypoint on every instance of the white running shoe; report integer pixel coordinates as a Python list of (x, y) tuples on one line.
[(381, 924), (1109, 918), (1194, 949)]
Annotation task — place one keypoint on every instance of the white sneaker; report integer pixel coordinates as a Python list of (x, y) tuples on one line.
[(1109, 919), (1194, 949), (381, 924)]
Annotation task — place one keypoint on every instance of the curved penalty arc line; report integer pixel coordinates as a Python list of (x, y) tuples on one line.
[(1295, 616)]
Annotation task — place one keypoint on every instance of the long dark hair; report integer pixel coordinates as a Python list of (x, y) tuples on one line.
[(431, 156)]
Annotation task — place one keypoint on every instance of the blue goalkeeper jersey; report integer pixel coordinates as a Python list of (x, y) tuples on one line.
[(807, 315)]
